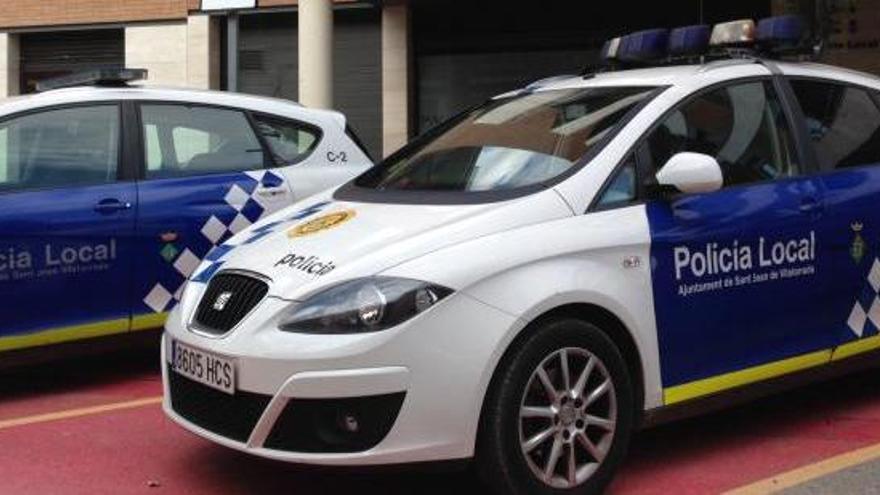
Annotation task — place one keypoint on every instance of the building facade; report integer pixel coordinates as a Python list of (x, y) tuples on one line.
[(395, 67)]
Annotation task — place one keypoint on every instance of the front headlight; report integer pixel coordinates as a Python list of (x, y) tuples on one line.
[(363, 305)]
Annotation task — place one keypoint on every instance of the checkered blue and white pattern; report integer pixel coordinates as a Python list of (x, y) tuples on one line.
[(216, 256), (243, 207), (864, 320)]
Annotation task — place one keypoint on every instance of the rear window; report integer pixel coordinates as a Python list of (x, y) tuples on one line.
[(508, 143), (290, 142)]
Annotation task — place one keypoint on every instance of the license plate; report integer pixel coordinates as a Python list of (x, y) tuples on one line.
[(204, 367)]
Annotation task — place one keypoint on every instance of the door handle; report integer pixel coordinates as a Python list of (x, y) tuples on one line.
[(271, 192), (111, 205)]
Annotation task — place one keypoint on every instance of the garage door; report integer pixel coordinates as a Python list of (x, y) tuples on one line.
[(53, 54), (449, 83), (469, 52), (268, 65)]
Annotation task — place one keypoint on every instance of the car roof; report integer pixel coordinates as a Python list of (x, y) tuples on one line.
[(687, 74), (648, 77), (824, 71), (256, 103)]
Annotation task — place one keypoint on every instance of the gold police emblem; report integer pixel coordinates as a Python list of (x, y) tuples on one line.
[(857, 250), (323, 222)]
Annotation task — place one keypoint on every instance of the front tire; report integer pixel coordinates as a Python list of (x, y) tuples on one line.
[(559, 415)]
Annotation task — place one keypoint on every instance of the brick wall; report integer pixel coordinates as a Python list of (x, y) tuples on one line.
[(27, 13), (35, 13), (283, 3)]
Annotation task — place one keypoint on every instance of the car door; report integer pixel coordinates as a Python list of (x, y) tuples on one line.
[(843, 125), (66, 226), (736, 288), (208, 174)]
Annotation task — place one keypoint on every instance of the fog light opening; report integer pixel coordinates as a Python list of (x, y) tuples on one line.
[(349, 423)]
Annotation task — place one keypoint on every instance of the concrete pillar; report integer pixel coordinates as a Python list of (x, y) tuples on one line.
[(203, 52), (395, 75), (316, 53), (9, 65), (161, 49), (232, 51)]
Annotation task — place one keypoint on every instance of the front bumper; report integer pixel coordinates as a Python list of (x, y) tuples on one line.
[(439, 364)]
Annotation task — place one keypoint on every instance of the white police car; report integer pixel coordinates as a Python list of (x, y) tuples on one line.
[(537, 277), (110, 195)]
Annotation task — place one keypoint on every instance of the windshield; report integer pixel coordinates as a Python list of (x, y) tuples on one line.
[(508, 143)]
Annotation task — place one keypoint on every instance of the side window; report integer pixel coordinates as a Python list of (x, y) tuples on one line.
[(742, 126), (622, 188), (189, 143), (153, 148), (60, 148), (290, 142), (183, 140), (843, 122)]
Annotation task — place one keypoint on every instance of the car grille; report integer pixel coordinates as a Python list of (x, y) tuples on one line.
[(239, 294), (230, 416)]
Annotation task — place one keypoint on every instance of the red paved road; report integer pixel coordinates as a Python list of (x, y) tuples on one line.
[(127, 451)]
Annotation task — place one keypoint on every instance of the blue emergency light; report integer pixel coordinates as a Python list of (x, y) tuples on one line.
[(689, 41), (783, 32), (644, 46)]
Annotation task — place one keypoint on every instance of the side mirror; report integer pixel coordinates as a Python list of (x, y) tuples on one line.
[(691, 173)]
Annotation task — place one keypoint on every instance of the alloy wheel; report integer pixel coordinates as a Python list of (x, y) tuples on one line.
[(567, 417)]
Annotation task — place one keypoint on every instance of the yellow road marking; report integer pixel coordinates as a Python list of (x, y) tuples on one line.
[(75, 413), (809, 472)]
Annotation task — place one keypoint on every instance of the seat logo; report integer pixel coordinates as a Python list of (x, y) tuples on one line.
[(323, 222), (222, 300)]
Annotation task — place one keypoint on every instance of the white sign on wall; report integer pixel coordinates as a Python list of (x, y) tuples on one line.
[(228, 4)]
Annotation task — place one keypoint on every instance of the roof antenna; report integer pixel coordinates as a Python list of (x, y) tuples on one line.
[(702, 58), (821, 29)]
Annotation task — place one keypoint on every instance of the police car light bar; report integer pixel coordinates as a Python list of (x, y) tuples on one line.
[(780, 33), (94, 77), (739, 33), (689, 41), (644, 46), (610, 50)]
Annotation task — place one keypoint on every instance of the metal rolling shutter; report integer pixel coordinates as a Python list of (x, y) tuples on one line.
[(51, 54), (268, 65)]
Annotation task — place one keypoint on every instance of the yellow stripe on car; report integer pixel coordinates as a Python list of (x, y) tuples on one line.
[(856, 347), (147, 322), (711, 385), (65, 334), (82, 332)]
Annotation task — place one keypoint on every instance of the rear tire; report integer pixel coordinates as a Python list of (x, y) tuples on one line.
[(559, 415)]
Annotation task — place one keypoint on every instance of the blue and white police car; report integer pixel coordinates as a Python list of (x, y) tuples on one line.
[(535, 278), (111, 194)]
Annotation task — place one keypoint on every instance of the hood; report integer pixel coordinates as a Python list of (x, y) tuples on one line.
[(320, 242)]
